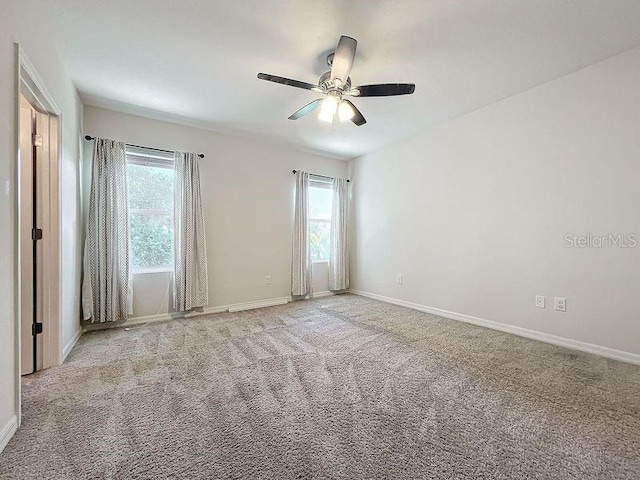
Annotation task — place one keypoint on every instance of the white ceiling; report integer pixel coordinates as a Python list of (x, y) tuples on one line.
[(195, 61)]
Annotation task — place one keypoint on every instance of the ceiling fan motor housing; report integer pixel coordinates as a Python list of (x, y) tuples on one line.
[(327, 84)]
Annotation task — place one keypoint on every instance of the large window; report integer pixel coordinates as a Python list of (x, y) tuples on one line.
[(320, 203), (150, 190)]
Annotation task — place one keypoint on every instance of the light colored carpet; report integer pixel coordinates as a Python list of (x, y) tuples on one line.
[(340, 387)]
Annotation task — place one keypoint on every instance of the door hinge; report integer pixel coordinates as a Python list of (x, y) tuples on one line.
[(37, 140), (36, 234), (36, 328)]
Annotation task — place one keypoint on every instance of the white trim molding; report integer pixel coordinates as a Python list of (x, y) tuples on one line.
[(70, 344), (238, 307), (163, 317), (620, 355), (326, 293), (34, 84), (7, 431), (29, 84)]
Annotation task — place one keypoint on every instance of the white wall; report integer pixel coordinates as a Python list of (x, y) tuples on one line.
[(247, 188), (473, 213), (21, 22)]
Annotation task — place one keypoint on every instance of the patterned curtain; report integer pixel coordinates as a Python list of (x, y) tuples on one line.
[(191, 281), (339, 256), (106, 286), (301, 258)]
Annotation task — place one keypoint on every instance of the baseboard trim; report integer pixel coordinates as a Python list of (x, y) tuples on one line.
[(238, 307), (207, 311), (129, 323), (620, 355), (163, 317), (70, 344), (7, 432), (326, 293)]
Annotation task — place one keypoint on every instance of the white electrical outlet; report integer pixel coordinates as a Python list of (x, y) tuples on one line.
[(560, 304), (540, 301), (399, 280), (267, 280)]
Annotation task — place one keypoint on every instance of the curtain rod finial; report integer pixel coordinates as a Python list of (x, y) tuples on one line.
[(89, 137)]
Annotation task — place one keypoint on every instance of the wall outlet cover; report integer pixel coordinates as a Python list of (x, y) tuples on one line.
[(560, 304), (540, 301)]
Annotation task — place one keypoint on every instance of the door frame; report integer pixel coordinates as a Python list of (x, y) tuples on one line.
[(29, 84)]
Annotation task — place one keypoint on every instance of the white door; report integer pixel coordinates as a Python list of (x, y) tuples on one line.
[(33, 168)]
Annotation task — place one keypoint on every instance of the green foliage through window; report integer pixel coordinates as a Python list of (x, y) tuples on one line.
[(150, 191), (319, 239), (320, 203)]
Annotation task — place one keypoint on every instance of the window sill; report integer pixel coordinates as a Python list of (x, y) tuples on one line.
[(145, 271), (319, 261)]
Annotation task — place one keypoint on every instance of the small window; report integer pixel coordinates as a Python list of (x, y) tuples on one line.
[(320, 205), (150, 191)]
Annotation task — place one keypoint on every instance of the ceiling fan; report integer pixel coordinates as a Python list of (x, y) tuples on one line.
[(336, 83)]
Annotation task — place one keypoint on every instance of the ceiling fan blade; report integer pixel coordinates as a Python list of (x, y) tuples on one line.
[(288, 81), (384, 90), (357, 118), (308, 108), (343, 58)]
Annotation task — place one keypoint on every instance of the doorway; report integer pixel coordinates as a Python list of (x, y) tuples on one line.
[(36, 130), (37, 220)]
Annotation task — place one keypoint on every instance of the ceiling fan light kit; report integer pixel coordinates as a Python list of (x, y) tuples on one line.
[(329, 107), (336, 83), (345, 112)]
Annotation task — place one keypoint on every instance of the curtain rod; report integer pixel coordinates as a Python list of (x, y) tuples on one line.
[(322, 176), (89, 137)]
